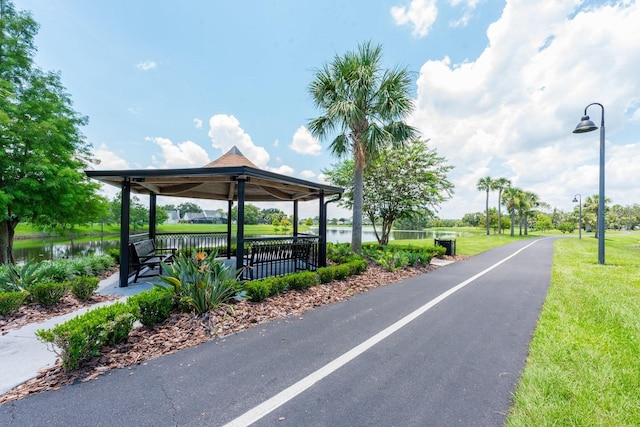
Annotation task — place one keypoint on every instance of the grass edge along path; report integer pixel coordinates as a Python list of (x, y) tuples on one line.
[(582, 367)]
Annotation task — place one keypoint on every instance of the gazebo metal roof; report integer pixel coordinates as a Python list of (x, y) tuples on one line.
[(232, 177), (217, 181)]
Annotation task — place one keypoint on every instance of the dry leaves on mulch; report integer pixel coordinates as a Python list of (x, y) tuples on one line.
[(186, 330)]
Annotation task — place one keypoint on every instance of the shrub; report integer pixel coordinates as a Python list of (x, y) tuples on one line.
[(153, 306), (79, 339), (48, 293), (340, 252), (115, 254), (80, 266), (341, 271), (56, 271), (258, 290), (84, 287), (302, 280), (325, 274), (11, 301)]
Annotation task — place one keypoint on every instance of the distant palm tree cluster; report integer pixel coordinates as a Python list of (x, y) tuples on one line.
[(520, 204)]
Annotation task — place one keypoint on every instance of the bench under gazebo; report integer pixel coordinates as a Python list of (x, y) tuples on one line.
[(233, 178)]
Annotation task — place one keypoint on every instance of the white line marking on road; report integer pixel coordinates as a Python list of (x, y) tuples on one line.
[(292, 391)]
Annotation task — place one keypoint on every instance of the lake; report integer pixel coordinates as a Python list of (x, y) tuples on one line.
[(52, 249)]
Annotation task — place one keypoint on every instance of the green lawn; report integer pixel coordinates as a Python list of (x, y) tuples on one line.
[(584, 363)]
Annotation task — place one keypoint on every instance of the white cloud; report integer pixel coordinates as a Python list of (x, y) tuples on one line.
[(308, 174), (109, 160), (225, 132), (283, 170), (421, 14), (305, 143), (198, 123), (185, 154), (509, 113), (146, 65)]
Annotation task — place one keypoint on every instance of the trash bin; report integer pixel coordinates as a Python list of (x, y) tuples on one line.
[(448, 244)]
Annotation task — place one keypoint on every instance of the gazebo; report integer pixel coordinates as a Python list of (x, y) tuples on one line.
[(233, 178)]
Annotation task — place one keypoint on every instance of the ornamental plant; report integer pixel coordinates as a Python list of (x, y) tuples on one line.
[(201, 283)]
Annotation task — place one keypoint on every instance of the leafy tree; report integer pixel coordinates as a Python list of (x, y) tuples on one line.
[(185, 207), (404, 182), (161, 216), (269, 215), (366, 105), (486, 184), (251, 214), (544, 223), (500, 184), (43, 151)]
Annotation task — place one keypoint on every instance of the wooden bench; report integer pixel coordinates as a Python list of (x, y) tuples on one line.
[(145, 254)]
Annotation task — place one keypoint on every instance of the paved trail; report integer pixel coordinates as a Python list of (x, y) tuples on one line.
[(445, 348)]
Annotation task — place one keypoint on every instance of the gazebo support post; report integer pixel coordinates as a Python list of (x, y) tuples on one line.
[(322, 231), (152, 216), (295, 218), (240, 228), (229, 208), (125, 211)]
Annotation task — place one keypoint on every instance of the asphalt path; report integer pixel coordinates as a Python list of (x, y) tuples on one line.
[(441, 349)]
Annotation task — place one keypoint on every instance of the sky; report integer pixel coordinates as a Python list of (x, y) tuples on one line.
[(498, 86)]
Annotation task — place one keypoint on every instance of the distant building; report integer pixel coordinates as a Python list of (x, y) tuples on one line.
[(205, 217), (174, 217)]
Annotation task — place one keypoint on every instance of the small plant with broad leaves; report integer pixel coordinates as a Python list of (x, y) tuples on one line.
[(201, 283)]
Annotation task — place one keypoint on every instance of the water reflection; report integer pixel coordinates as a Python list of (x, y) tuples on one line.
[(52, 249)]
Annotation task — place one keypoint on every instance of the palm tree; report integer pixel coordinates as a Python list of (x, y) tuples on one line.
[(485, 184), (366, 105), (511, 198), (529, 202), (500, 184), (592, 204)]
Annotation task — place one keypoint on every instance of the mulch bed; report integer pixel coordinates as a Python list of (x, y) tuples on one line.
[(184, 330)]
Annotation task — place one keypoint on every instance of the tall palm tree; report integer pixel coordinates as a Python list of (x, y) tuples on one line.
[(511, 200), (486, 184), (500, 184), (366, 105), (529, 202)]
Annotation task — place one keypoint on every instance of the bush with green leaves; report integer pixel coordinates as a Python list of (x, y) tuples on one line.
[(48, 293), (79, 339), (340, 253), (84, 287), (57, 271), (10, 302), (302, 280), (201, 283), (325, 274), (153, 306)]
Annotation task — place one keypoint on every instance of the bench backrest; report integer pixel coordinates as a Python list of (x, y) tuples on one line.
[(145, 247)]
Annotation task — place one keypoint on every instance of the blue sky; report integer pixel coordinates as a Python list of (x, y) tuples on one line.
[(498, 85)]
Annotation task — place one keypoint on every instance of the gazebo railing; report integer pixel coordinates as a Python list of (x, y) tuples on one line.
[(193, 242), (277, 256)]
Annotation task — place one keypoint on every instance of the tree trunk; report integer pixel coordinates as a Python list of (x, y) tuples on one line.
[(7, 232), (513, 223), (487, 212), (358, 193), (499, 212)]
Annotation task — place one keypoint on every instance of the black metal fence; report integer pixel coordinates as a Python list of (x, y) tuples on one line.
[(277, 256), (193, 242)]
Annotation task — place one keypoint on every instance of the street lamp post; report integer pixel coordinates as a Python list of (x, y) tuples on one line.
[(586, 125), (575, 200)]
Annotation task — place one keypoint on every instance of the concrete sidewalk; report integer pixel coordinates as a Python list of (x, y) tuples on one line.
[(23, 355)]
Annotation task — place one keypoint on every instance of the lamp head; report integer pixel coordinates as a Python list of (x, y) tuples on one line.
[(585, 125), (575, 200)]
